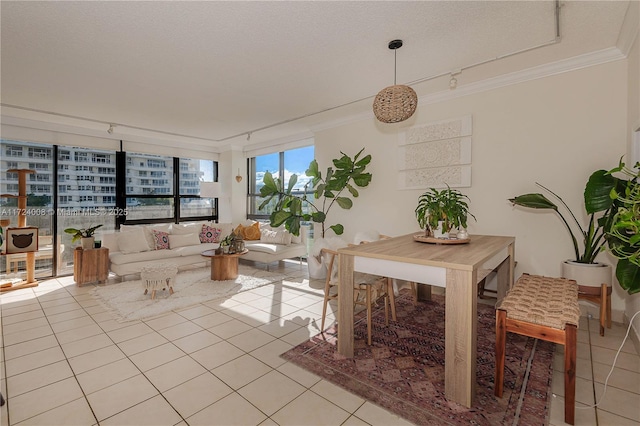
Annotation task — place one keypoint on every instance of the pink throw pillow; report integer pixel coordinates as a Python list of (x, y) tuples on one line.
[(209, 234), (160, 240)]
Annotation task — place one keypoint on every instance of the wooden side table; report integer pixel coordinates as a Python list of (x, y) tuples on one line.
[(223, 266), (90, 265)]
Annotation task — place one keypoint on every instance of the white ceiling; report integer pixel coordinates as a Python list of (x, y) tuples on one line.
[(210, 72)]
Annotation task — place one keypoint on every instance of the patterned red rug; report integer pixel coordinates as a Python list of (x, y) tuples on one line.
[(403, 371)]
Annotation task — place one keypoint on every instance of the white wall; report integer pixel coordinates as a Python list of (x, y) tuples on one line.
[(633, 125), (556, 131)]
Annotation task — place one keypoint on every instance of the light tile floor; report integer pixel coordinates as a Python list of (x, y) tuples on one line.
[(65, 361)]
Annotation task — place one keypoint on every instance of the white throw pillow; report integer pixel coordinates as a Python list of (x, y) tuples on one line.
[(132, 241), (275, 237), (183, 240)]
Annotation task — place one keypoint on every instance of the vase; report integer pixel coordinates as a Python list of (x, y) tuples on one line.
[(87, 242)]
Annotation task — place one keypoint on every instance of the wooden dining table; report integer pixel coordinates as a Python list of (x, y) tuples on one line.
[(456, 267)]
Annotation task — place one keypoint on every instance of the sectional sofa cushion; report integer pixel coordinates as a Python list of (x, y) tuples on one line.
[(132, 241), (281, 236), (183, 240)]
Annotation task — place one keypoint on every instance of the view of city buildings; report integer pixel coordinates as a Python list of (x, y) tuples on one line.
[(86, 191)]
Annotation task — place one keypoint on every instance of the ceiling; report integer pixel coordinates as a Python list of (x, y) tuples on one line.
[(210, 73)]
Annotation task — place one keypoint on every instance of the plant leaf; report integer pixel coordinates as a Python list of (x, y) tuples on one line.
[(344, 202), (338, 229), (534, 201), (597, 191)]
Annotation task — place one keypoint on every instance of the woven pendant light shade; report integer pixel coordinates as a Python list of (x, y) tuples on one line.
[(395, 103)]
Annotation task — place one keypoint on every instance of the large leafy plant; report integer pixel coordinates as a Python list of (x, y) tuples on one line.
[(333, 188), (620, 199), (448, 206), (591, 237)]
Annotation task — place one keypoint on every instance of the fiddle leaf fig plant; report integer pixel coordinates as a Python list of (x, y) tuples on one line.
[(337, 186)]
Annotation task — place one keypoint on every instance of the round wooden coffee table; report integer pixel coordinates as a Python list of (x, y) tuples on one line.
[(223, 266)]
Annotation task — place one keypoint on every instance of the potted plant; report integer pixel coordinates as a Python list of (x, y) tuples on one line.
[(227, 242), (438, 212), (333, 188), (583, 267), (83, 234), (619, 199)]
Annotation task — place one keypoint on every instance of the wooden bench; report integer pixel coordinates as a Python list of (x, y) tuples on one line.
[(547, 309)]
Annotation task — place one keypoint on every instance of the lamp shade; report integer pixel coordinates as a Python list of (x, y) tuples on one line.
[(395, 103), (210, 189)]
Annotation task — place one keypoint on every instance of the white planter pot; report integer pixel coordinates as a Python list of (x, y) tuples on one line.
[(587, 274), (87, 242), (437, 233)]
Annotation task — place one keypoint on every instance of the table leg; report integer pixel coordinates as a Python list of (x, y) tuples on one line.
[(460, 336), (345, 305)]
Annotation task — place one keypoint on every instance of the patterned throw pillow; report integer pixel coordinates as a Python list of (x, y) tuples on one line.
[(160, 239), (249, 232), (209, 234)]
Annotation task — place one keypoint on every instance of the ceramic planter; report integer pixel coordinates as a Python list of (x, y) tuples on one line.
[(589, 276), (87, 242)]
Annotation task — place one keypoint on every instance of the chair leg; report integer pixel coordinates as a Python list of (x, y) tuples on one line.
[(369, 303), (501, 340), (571, 338), (603, 307), (392, 299), (387, 303), (327, 289)]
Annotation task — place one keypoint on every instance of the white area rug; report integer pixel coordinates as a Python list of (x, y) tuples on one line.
[(127, 301)]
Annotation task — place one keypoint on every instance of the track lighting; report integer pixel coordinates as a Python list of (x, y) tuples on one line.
[(110, 130)]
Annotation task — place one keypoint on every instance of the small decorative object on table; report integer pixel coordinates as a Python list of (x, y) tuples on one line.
[(155, 277)]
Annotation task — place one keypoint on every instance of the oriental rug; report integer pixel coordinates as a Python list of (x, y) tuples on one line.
[(403, 370), (127, 301)]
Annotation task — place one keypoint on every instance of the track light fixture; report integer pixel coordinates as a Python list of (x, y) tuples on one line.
[(110, 130), (249, 136)]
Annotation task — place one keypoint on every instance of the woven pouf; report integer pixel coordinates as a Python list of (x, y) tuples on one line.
[(158, 277)]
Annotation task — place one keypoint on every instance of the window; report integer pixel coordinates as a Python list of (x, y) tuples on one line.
[(13, 151), (42, 153), (281, 165), (81, 157)]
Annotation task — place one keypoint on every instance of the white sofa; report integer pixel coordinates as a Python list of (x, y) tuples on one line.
[(138, 247)]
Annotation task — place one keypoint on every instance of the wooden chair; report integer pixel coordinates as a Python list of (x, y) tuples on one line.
[(367, 290), (546, 309)]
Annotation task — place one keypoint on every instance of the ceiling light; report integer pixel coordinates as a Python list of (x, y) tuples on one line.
[(398, 102), (249, 136), (110, 130)]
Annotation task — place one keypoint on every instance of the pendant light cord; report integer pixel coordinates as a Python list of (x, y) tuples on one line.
[(395, 65)]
